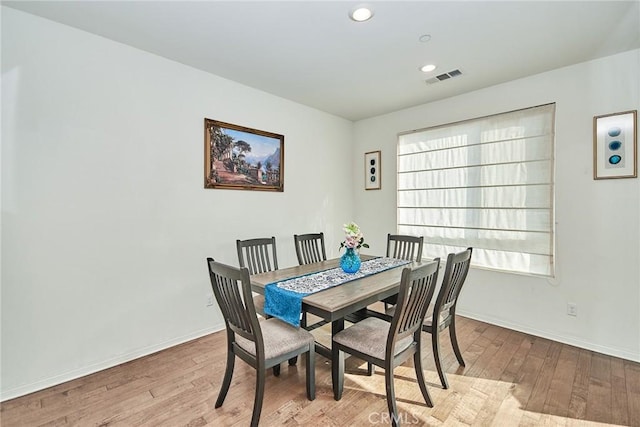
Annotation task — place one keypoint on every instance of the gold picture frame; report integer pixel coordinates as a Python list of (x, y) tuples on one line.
[(241, 158), (615, 145)]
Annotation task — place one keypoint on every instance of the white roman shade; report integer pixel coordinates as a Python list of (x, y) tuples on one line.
[(485, 183)]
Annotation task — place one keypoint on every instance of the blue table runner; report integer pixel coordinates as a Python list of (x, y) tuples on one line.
[(284, 299)]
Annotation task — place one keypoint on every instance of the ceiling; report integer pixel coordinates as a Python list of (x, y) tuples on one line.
[(312, 53)]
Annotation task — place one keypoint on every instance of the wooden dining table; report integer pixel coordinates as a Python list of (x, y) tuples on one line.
[(339, 302)]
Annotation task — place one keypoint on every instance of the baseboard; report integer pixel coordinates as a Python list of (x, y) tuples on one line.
[(616, 352), (105, 364)]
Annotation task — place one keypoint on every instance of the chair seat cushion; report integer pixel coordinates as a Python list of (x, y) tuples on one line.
[(279, 339), (428, 318), (369, 336)]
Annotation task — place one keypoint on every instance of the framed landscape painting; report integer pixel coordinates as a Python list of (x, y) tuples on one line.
[(241, 158)]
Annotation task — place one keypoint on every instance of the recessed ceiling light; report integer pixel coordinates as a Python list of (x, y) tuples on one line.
[(361, 13), (424, 38), (427, 68)]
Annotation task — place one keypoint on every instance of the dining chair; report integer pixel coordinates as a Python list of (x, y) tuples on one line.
[(261, 344), (259, 256), (310, 248), (406, 247), (442, 314), (389, 344)]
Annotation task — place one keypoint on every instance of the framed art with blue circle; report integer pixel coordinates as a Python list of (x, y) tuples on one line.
[(615, 145)]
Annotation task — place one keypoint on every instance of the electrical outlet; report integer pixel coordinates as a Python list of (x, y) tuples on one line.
[(209, 300), (572, 309)]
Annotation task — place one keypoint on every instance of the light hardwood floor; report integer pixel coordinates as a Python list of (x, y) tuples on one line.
[(511, 379)]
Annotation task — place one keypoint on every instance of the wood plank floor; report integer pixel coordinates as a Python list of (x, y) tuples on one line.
[(511, 379)]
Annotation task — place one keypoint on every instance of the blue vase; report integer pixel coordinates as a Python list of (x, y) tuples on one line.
[(350, 261)]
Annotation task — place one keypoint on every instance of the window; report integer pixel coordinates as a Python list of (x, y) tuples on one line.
[(486, 183)]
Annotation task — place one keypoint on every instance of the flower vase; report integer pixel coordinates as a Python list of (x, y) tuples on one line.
[(350, 261)]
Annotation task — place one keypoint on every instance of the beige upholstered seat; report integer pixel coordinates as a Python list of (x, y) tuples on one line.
[(279, 338), (428, 319), (389, 344), (369, 336), (261, 344)]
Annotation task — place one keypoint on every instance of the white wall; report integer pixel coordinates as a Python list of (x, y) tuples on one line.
[(105, 222), (598, 222)]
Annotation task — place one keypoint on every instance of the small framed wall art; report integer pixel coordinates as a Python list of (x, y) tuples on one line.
[(615, 145), (372, 170)]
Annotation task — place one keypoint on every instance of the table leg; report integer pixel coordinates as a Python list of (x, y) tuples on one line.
[(337, 363)]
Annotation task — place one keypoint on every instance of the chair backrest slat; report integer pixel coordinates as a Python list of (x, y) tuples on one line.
[(310, 248), (258, 255), (404, 247), (417, 287)]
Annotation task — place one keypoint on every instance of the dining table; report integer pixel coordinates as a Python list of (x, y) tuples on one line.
[(348, 300)]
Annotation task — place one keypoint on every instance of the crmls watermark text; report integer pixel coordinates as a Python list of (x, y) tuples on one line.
[(385, 418)]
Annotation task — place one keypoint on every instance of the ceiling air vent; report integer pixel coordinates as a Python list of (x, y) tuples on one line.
[(443, 77)]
